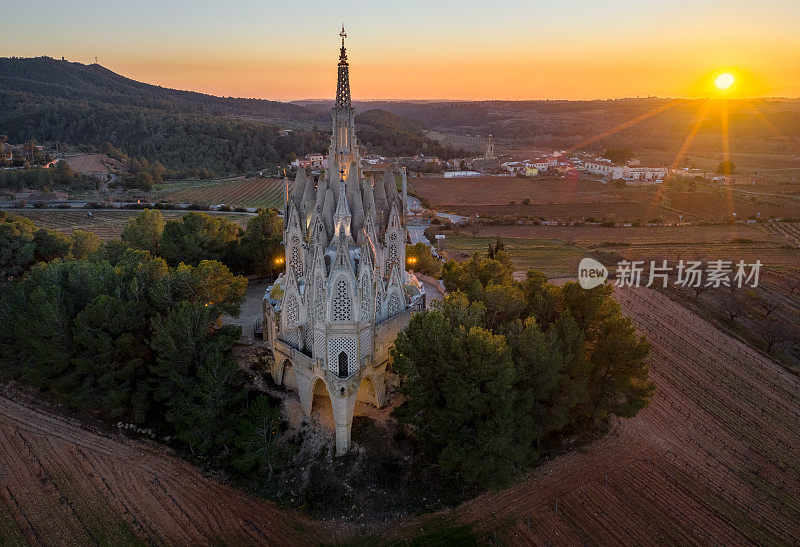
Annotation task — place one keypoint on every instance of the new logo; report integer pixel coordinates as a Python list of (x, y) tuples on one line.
[(591, 273)]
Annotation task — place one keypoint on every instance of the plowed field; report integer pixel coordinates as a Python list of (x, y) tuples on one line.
[(62, 484)]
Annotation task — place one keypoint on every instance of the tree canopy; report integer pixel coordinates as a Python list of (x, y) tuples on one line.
[(502, 366), (115, 329), (199, 236), (619, 155), (23, 244), (144, 231), (421, 259)]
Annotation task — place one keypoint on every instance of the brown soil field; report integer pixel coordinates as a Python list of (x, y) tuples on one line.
[(501, 190), (714, 459), (593, 236), (559, 199), (61, 483), (624, 211), (714, 207), (788, 231), (92, 163), (719, 242)]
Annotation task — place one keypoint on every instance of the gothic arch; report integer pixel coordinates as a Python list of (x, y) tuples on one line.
[(289, 376), (321, 395), (279, 371)]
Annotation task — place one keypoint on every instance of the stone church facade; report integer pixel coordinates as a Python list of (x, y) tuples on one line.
[(333, 315)]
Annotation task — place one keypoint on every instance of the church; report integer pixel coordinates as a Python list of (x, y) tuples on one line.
[(331, 318)]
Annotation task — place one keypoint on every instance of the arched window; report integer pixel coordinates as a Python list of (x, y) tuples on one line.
[(342, 309), (343, 364)]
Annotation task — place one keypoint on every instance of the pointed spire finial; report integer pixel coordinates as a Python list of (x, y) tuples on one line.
[(343, 80)]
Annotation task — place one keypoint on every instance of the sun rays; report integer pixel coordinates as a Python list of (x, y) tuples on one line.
[(722, 82)]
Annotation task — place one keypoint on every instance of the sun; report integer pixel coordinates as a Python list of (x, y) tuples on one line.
[(724, 81)]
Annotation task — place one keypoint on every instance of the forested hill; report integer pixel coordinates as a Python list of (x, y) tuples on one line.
[(85, 106), (56, 79), (190, 134), (394, 135)]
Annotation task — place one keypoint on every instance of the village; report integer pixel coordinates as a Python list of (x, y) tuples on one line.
[(572, 165)]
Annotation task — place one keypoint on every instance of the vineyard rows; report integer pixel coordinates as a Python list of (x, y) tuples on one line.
[(786, 230), (258, 192), (62, 485)]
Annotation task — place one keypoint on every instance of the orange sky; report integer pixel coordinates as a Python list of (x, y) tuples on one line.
[(574, 49)]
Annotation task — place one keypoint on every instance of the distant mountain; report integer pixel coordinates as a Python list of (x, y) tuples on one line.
[(75, 81), (191, 134)]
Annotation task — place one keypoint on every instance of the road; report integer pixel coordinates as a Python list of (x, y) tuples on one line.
[(416, 230), (5, 207), (431, 294)]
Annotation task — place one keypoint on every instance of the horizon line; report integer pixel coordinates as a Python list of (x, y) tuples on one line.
[(428, 100)]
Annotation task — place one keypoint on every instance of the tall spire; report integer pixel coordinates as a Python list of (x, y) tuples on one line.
[(343, 151), (343, 82)]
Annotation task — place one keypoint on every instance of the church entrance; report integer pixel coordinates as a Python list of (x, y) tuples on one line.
[(342, 365)]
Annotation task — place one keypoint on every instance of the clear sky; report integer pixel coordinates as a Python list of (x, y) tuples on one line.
[(415, 49)]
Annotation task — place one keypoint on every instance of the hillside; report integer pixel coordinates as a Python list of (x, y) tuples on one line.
[(656, 128), (713, 459), (54, 79), (84, 106), (393, 135)]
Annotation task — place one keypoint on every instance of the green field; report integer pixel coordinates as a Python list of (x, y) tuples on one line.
[(553, 257)]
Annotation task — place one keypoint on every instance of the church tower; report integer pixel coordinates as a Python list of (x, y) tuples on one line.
[(332, 317), (343, 150)]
